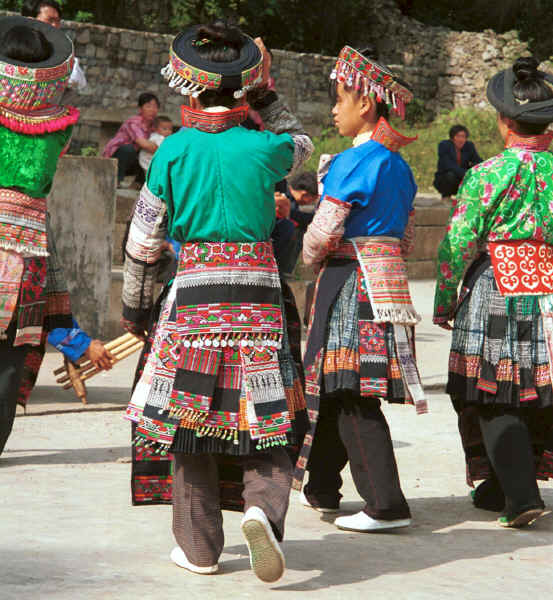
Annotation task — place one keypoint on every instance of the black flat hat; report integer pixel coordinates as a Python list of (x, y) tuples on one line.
[(62, 47), (500, 95), (190, 74)]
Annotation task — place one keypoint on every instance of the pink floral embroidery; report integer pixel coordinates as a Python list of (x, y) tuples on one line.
[(459, 212), (488, 191), (513, 193), (445, 270)]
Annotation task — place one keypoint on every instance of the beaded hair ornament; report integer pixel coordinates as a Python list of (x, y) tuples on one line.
[(363, 74), (190, 74)]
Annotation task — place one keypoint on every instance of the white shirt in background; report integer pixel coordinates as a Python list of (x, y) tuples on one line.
[(145, 157)]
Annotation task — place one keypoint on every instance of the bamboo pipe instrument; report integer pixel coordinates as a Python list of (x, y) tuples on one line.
[(113, 344), (115, 350), (118, 357), (74, 375)]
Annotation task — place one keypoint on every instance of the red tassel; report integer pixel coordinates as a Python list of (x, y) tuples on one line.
[(46, 126)]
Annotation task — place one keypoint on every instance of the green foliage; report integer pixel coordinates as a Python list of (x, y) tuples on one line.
[(417, 113), (422, 155), (309, 27), (84, 16), (89, 151)]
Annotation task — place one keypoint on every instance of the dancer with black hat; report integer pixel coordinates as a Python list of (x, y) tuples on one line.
[(501, 360), (360, 346), (35, 65), (220, 379)]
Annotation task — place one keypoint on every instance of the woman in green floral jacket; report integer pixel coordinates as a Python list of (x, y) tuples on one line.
[(500, 360)]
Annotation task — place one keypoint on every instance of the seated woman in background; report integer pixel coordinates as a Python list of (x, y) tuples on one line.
[(455, 156), (133, 136)]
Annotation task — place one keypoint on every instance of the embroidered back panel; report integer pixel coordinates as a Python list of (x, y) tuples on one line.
[(228, 292), (523, 267)]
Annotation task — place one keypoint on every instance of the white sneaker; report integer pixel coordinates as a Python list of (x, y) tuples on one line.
[(362, 522), (266, 557), (305, 502), (179, 558)]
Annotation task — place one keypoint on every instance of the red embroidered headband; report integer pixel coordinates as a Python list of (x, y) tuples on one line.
[(360, 73), (31, 86)]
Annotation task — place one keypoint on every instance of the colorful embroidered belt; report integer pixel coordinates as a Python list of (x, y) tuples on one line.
[(522, 267), (22, 223), (228, 293), (385, 275)]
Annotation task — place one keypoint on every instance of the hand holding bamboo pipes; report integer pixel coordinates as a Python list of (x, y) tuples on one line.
[(74, 375), (99, 355)]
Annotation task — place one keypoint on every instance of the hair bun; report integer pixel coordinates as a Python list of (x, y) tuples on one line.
[(220, 34), (526, 68), (369, 51)]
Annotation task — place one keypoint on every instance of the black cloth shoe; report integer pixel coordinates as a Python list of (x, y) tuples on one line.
[(489, 496)]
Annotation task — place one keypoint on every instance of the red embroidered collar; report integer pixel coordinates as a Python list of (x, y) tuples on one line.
[(533, 143), (390, 138), (214, 122)]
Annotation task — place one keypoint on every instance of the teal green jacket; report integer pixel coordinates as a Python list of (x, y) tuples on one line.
[(219, 187)]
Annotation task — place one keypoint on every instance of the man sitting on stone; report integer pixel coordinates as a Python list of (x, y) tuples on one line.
[(455, 156)]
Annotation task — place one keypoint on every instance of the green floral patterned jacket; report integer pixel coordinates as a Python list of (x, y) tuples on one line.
[(508, 197)]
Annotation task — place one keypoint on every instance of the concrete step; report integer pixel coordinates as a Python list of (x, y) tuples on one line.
[(115, 306), (125, 200)]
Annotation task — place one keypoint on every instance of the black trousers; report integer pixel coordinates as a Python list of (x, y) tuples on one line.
[(127, 161), (509, 447), (447, 183), (354, 429), (12, 360)]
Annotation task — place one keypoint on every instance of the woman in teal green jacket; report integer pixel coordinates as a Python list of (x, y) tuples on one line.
[(220, 379)]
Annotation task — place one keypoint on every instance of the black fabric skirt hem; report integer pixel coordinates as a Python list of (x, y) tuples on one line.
[(508, 394), (187, 442)]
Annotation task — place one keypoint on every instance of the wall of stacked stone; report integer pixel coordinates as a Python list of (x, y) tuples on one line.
[(446, 69)]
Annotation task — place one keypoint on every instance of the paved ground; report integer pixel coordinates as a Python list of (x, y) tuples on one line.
[(68, 529)]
